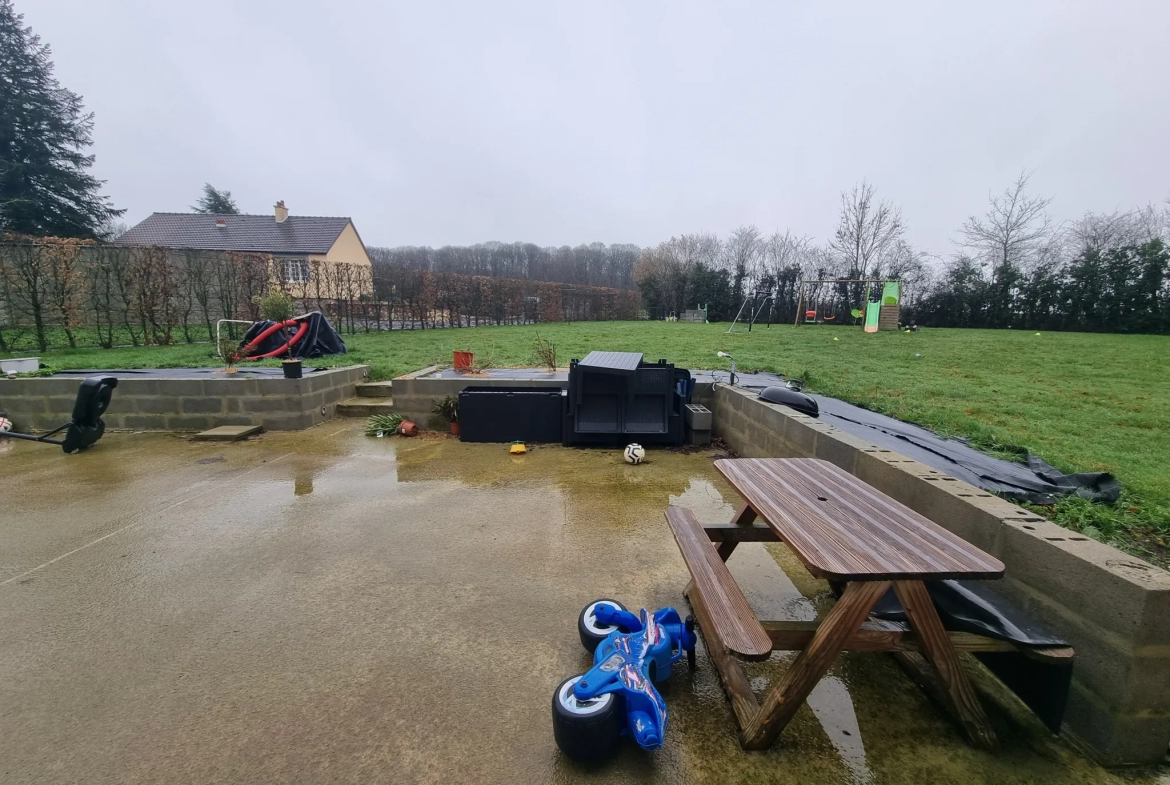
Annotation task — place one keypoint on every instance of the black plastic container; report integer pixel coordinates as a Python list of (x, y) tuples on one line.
[(510, 414), (292, 369), (616, 398)]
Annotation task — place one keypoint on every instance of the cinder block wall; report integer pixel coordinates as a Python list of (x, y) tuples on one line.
[(40, 404), (1112, 607), (414, 397)]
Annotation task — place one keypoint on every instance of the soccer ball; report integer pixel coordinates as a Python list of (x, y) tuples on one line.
[(5, 424), (635, 453)]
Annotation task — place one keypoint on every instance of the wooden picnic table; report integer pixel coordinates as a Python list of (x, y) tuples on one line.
[(860, 540)]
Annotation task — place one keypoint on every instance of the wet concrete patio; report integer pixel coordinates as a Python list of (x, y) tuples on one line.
[(320, 606)]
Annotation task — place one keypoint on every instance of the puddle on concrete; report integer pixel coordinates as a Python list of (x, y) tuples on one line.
[(326, 606)]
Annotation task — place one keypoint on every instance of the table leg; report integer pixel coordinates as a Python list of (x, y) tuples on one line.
[(812, 663), (937, 649), (744, 515)]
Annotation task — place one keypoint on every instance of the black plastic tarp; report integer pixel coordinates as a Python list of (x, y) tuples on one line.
[(969, 606), (1031, 481), (319, 339)]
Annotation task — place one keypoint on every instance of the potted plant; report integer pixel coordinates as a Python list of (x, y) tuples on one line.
[(448, 409), (276, 306)]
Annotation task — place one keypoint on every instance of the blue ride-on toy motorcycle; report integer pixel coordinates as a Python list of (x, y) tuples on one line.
[(591, 712)]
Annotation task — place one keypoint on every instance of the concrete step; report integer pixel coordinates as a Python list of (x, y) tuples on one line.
[(375, 390), (364, 407)]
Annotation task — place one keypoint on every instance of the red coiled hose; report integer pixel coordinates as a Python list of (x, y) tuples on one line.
[(300, 333)]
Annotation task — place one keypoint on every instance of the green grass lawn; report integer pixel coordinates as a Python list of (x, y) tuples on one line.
[(1083, 402)]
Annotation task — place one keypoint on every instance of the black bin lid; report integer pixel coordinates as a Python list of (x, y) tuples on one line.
[(612, 362)]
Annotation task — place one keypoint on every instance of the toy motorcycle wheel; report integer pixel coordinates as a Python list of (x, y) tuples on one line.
[(586, 730), (593, 632)]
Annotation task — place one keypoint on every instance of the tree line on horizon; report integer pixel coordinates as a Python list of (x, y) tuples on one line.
[(1014, 266)]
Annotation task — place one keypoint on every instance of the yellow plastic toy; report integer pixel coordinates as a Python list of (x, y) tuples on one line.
[(517, 448)]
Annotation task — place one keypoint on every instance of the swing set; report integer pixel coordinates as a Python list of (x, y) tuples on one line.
[(878, 309)]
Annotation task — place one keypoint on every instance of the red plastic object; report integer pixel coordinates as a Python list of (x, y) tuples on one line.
[(284, 348), (463, 360), (407, 428), (300, 333)]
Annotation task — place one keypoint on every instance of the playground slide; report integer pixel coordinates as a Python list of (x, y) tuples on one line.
[(872, 313)]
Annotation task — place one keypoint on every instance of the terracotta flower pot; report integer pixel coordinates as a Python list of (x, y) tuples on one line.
[(407, 428), (454, 429), (462, 361)]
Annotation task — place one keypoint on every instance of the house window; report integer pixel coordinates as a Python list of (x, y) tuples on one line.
[(296, 270)]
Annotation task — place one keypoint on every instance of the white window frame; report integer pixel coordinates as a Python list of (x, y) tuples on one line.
[(296, 270)]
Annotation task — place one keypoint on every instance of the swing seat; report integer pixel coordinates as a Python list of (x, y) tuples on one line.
[(828, 318), (810, 315)]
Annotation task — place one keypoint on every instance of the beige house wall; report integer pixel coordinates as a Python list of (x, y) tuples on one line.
[(347, 249)]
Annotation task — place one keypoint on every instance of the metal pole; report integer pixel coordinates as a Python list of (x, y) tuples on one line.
[(30, 438)]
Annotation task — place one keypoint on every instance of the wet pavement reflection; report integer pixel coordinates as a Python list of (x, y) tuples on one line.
[(323, 606)]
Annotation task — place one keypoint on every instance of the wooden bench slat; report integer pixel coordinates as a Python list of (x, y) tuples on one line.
[(734, 620)]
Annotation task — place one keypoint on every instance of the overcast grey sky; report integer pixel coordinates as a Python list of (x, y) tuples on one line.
[(561, 123)]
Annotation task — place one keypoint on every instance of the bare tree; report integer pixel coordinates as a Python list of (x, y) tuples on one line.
[(1014, 229), (1096, 231), (866, 231), (743, 251), (1014, 236)]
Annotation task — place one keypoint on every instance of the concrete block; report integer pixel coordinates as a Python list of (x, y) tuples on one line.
[(939, 503), (839, 448), (24, 405), (155, 405), (61, 403), (234, 419), (134, 387), (204, 405), (180, 388), (189, 422), (279, 386), (801, 435), (38, 386), (285, 422), (1115, 590), (273, 403), (118, 405), (40, 422), (1115, 740), (144, 422), (698, 417), (234, 386)]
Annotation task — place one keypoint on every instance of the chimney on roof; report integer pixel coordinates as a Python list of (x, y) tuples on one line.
[(281, 212), (220, 223)]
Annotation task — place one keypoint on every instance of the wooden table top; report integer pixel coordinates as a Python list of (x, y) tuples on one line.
[(843, 529)]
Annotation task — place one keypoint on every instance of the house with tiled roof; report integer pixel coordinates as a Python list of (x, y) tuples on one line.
[(300, 245)]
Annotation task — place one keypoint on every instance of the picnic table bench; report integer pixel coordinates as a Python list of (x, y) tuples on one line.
[(860, 540)]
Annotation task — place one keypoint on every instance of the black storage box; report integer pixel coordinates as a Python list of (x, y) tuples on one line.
[(510, 414), (616, 398)]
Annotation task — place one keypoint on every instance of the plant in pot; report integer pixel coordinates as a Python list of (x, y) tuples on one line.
[(448, 409), (277, 306)]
